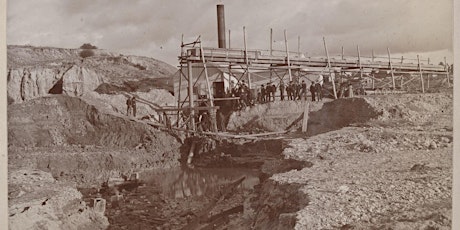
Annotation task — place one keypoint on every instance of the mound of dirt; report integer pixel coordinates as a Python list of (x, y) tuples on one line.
[(414, 108), (389, 110), (274, 116), (62, 120), (37, 201)]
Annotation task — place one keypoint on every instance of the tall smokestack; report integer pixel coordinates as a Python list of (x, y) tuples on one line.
[(221, 26)]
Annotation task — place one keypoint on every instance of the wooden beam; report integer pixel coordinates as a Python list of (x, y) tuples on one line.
[(329, 67), (287, 54), (187, 108), (190, 94), (359, 62), (306, 110), (421, 74), (391, 68)]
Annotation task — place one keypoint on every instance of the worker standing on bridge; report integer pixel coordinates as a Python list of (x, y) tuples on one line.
[(303, 92), (262, 93), (282, 90), (319, 91), (312, 91), (350, 90), (273, 91)]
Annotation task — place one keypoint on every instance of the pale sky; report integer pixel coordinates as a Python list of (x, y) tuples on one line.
[(153, 28)]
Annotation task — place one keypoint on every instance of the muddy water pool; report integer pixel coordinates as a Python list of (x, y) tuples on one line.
[(171, 199)]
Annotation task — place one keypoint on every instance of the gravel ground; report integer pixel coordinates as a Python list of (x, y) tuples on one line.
[(394, 172)]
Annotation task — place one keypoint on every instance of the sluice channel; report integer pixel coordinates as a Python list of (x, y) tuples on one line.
[(208, 194)]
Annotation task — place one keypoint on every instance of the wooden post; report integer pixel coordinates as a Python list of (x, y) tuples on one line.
[(180, 79), (190, 94), (212, 112), (247, 58), (428, 81), (271, 50), (391, 69), (373, 81), (190, 153), (421, 75), (298, 46), (229, 39), (287, 55), (271, 42), (373, 55), (343, 54), (359, 62), (305, 116), (329, 67)]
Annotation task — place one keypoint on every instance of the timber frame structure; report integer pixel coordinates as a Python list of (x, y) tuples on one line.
[(284, 65)]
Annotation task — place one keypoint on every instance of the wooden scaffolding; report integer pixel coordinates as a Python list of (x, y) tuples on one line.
[(243, 64)]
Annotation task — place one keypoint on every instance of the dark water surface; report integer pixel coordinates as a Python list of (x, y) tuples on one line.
[(170, 199)]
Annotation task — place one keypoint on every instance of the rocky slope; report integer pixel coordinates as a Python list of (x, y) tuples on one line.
[(39, 71)]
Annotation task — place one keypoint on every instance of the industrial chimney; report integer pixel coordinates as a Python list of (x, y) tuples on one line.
[(221, 26)]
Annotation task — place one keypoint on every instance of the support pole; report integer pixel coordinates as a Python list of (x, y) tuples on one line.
[(212, 112), (373, 81), (190, 94), (287, 55), (343, 54), (329, 67), (391, 69), (271, 41), (271, 50), (305, 116), (421, 75), (373, 55), (180, 79), (359, 62), (229, 39), (298, 46), (247, 58)]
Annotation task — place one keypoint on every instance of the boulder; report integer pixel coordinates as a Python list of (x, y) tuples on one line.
[(79, 80)]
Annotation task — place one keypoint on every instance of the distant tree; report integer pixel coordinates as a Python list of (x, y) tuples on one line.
[(86, 53), (88, 46), (441, 63)]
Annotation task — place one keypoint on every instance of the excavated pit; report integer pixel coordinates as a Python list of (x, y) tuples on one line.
[(179, 198)]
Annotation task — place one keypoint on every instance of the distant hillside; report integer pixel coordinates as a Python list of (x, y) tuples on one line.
[(39, 71)]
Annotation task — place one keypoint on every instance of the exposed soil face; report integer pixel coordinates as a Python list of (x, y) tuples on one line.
[(61, 120)]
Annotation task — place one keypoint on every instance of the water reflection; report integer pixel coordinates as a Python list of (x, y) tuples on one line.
[(184, 182)]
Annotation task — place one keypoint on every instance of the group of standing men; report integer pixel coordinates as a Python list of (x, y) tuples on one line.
[(294, 90), (267, 93)]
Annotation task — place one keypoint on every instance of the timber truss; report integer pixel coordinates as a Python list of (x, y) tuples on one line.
[(244, 64)]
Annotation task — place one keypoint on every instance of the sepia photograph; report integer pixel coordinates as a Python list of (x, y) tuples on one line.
[(219, 114)]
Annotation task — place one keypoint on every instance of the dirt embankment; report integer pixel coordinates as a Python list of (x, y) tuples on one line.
[(66, 143)]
